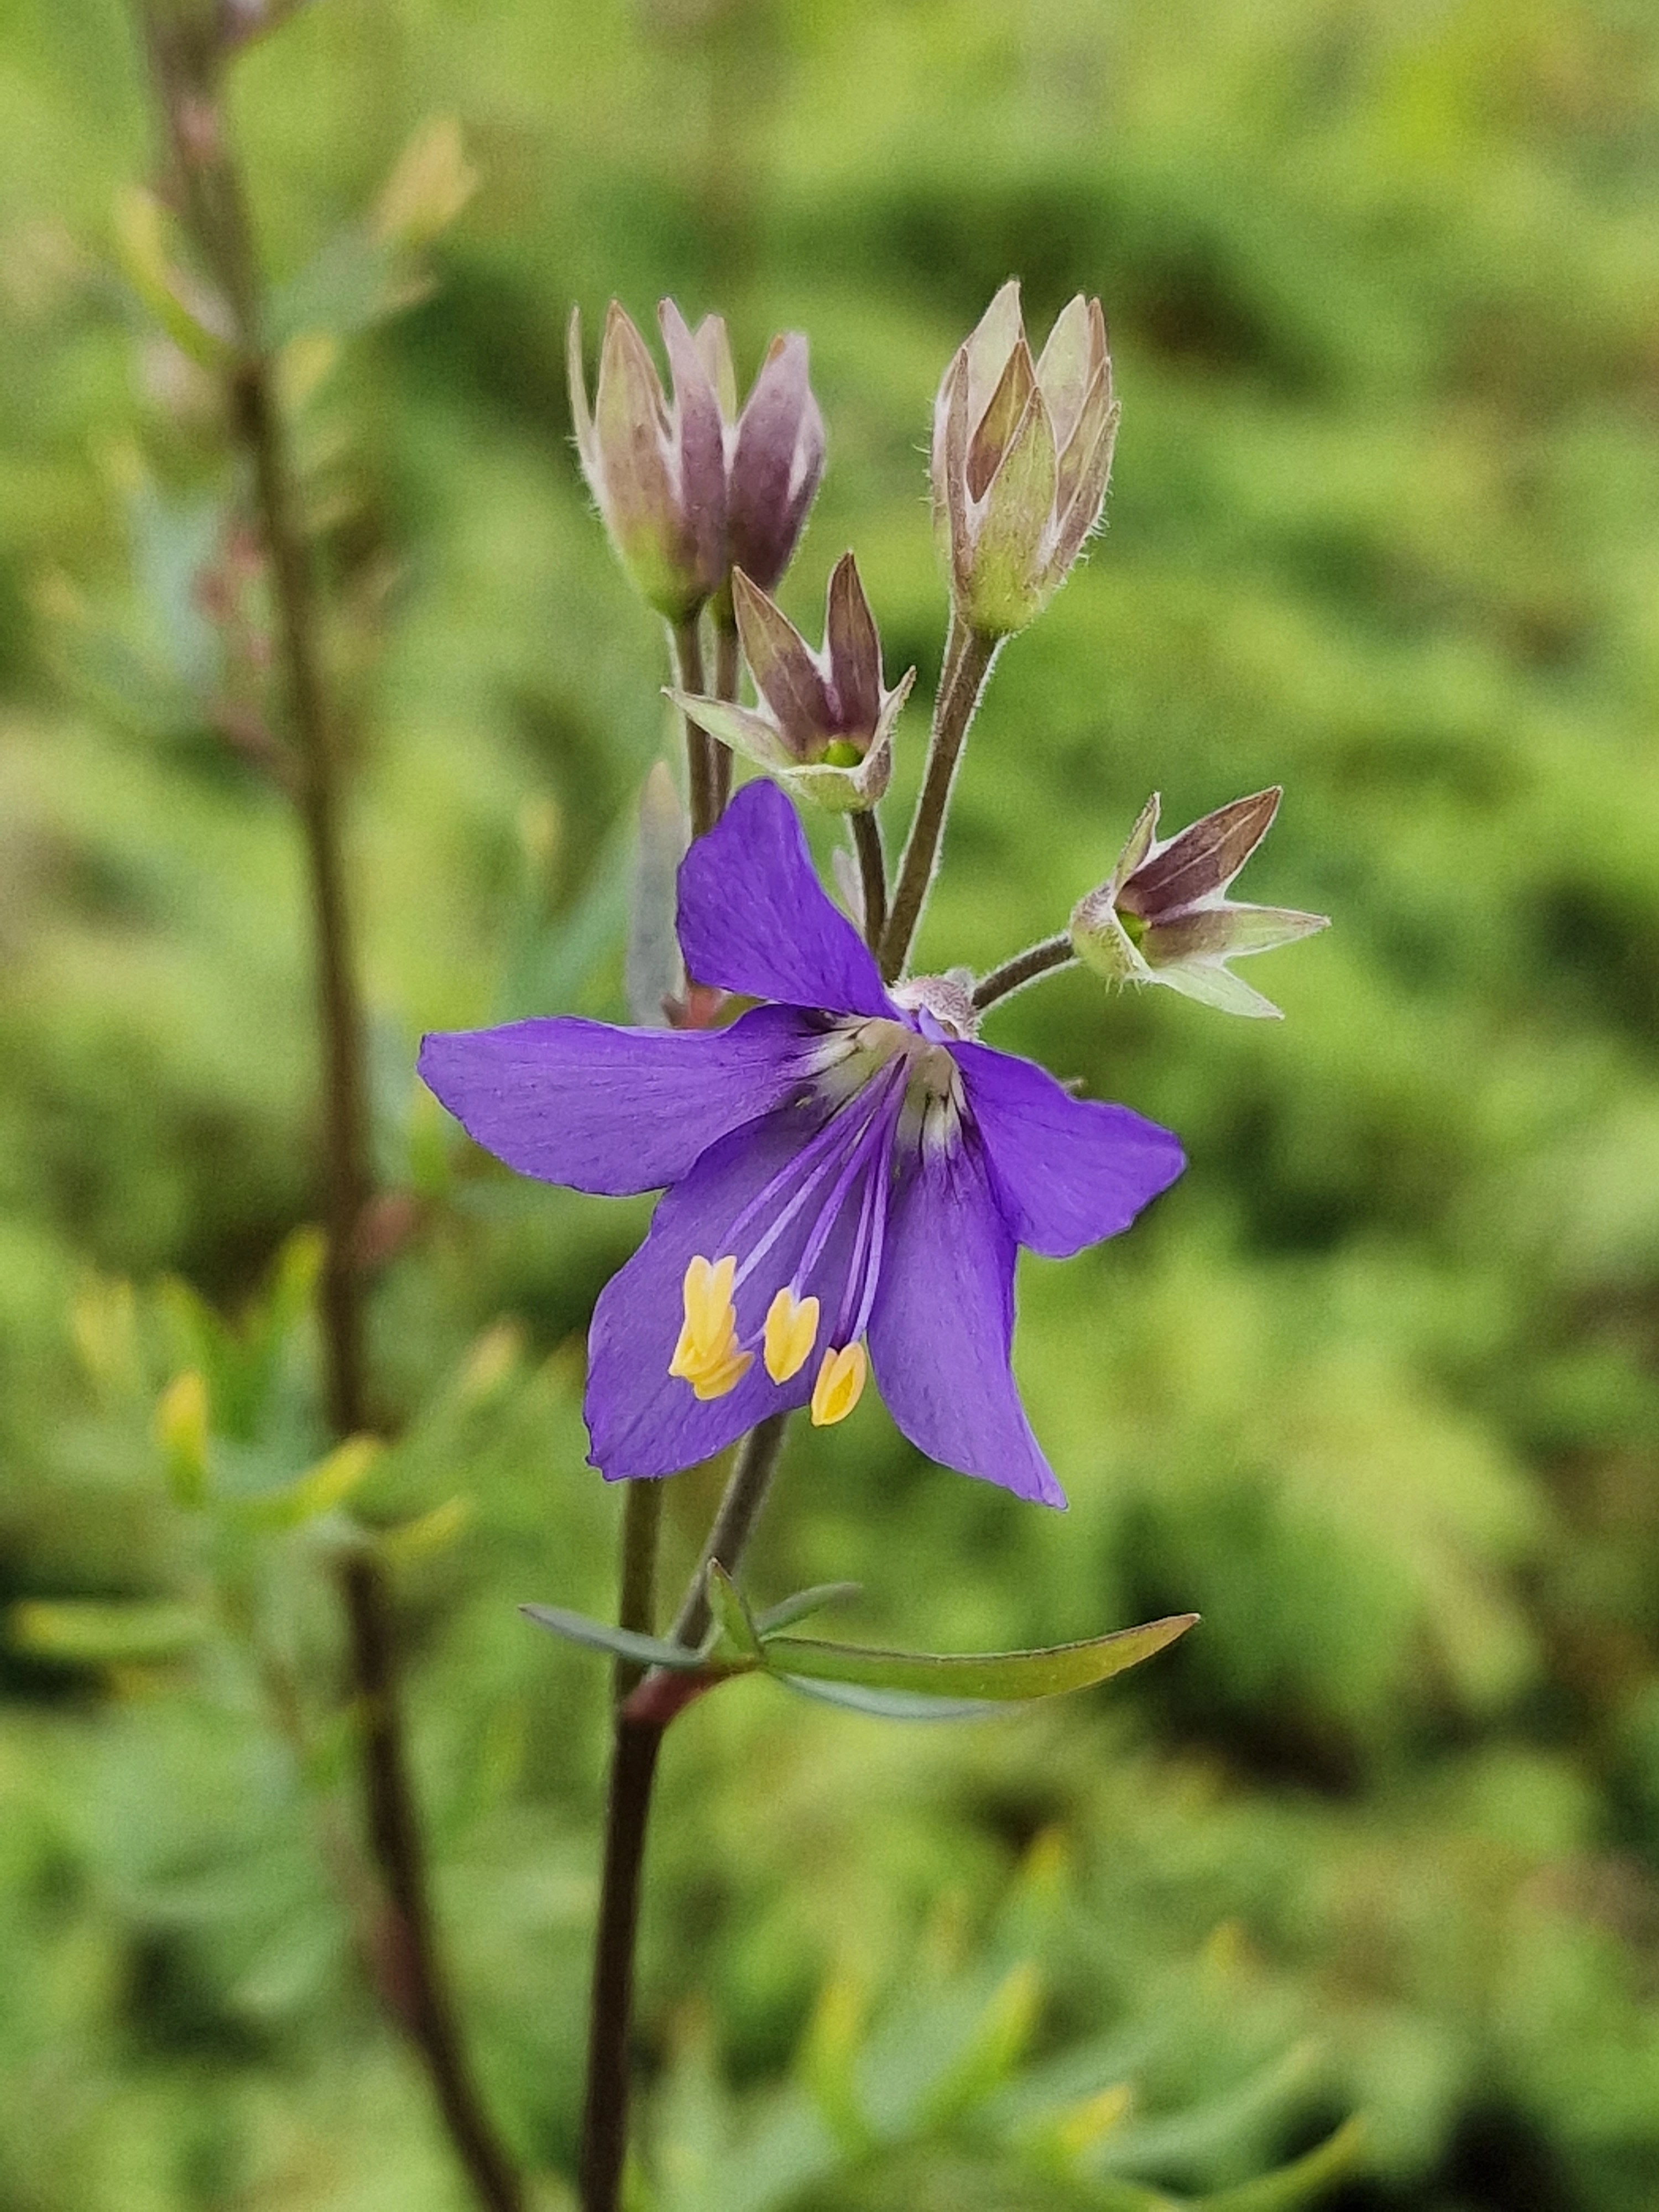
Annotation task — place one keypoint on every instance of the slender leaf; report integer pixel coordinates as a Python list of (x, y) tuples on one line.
[(1000, 1677), (621, 1643), (788, 1610), (892, 1705)]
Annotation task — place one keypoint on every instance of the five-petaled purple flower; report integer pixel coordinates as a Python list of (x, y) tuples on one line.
[(842, 1167)]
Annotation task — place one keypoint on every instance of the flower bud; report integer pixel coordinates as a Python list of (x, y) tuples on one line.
[(1162, 915), (1021, 456), (823, 721), (688, 488)]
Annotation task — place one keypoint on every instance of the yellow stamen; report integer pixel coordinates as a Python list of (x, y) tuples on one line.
[(709, 1318), (840, 1384), (714, 1381), (792, 1329)]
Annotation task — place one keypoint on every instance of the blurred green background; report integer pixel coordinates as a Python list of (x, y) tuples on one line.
[(1376, 1388)]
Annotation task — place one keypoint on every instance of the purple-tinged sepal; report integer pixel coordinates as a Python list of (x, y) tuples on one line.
[(823, 722), (1163, 914), (688, 487), (657, 472), (776, 462), (1022, 451)]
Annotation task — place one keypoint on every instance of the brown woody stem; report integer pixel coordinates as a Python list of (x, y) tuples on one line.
[(633, 1770), (187, 55)]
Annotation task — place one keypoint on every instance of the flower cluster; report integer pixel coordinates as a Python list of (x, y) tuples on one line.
[(847, 1172)]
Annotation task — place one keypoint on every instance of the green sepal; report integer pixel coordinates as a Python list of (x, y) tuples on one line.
[(737, 1632), (987, 1678)]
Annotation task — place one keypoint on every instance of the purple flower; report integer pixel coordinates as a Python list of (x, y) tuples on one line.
[(847, 1177)]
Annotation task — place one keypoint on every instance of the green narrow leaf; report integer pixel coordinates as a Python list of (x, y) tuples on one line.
[(730, 1613), (1297, 2184), (1000, 1677), (318, 1490), (788, 1610), (107, 1633), (621, 1643), (181, 1430), (892, 1705)]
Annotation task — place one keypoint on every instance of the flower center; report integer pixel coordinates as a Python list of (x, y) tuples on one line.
[(881, 1081)]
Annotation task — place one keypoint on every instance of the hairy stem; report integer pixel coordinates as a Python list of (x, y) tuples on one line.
[(1024, 967), (701, 776), (628, 1809), (733, 1523), (968, 660), (187, 62), (873, 876)]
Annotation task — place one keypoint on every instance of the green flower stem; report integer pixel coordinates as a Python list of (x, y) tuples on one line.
[(968, 662), (187, 65), (728, 663), (628, 1810), (701, 776), (1024, 967), (733, 1524), (872, 875)]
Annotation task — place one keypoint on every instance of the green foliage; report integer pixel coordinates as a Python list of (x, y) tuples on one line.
[(1373, 1388)]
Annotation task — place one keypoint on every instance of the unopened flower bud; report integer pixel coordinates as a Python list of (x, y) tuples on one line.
[(690, 488), (823, 721), (1021, 454), (1162, 915)]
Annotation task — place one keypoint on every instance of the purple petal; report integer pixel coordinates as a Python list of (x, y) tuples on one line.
[(641, 1420), (1068, 1170), (942, 1323), (613, 1110), (754, 919)]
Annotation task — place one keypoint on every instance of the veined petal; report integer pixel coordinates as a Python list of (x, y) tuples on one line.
[(1213, 985), (1068, 363), (854, 648), (754, 918), (746, 732), (783, 664), (713, 346), (994, 337), (1227, 932), (1201, 860), (641, 1420), (776, 462), (943, 1323), (1069, 1171), (613, 1110)]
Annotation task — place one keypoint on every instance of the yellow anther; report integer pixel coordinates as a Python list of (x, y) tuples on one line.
[(839, 1385), (709, 1318), (792, 1329), (715, 1380)]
